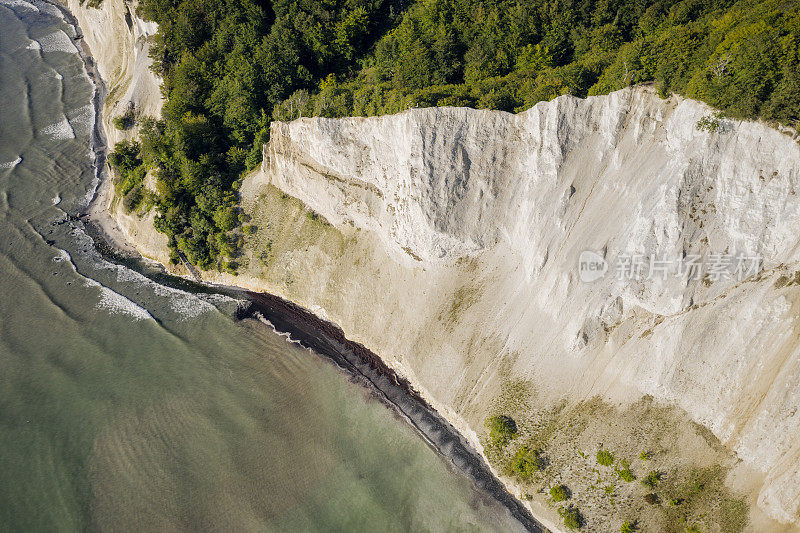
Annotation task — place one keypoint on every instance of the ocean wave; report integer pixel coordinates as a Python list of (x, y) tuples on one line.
[(83, 118), (185, 304), (19, 4), (60, 130), (11, 164), (48, 9), (114, 302), (58, 41), (110, 300)]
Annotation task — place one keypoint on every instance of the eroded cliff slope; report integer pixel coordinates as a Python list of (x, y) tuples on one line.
[(447, 240), (452, 243), (119, 43)]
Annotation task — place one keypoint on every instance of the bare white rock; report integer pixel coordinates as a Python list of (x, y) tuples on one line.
[(523, 195)]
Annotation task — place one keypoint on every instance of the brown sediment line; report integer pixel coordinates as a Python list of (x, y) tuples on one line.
[(397, 393)]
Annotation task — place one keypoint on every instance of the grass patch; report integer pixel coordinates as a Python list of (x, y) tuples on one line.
[(605, 458), (625, 473)]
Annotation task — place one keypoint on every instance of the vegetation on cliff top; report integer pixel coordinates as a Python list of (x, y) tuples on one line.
[(230, 67)]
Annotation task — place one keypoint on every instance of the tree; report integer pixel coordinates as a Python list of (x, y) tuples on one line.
[(572, 517), (525, 463), (502, 429), (559, 493)]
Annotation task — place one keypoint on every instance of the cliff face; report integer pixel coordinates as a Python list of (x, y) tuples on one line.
[(457, 237), (119, 43), (449, 244)]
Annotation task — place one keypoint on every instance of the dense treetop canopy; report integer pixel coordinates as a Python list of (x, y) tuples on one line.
[(232, 66)]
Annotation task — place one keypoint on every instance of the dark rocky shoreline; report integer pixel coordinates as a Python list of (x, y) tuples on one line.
[(397, 393)]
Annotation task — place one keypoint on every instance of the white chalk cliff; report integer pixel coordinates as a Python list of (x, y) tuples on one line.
[(485, 213), (119, 42), (455, 240)]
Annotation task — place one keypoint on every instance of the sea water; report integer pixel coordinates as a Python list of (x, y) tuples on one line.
[(127, 405)]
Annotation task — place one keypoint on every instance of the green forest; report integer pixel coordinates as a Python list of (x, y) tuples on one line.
[(232, 66)]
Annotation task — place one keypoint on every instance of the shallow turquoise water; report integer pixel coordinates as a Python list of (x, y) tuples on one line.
[(126, 405)]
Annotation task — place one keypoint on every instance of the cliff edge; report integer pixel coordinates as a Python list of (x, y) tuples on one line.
[(458, 235), (486, 255)]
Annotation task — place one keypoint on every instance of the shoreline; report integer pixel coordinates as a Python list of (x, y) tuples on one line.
[(96, 212), (325, 339)]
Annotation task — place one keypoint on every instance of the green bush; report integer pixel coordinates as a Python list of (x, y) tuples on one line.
[(502, 429), (525, 463), (624, 472), (132, 199), (645, 456), (124, 121), (709, 123), (572, 517), (652, 479), (627, 527), (559, 493), (605, 458)]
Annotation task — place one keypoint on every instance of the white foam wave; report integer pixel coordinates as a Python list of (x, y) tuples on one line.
[(90, 192), (60, 130), (63, 256), (11, 164), (184, 304), (216, 298), (83, 120), (19, 4), (58, 41), (283, 334), (116, 303)]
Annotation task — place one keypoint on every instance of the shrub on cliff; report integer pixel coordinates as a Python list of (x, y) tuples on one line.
[(652, 479), (130, 173), (572, 517), (559, 493), (605, 458), (525, 463), (502, 429), (124, 121), (651, 498)]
